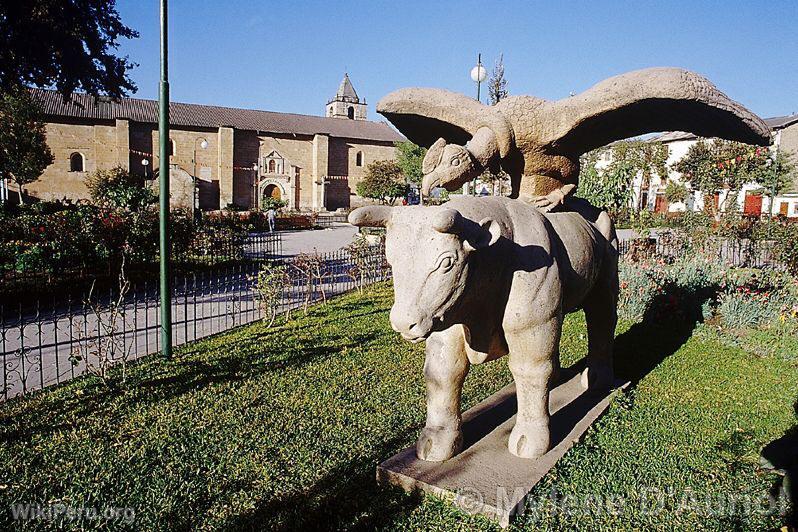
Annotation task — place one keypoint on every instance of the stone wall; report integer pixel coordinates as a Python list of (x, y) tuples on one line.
[(97, 144), (369, 154), (221, 169), (788, 142)]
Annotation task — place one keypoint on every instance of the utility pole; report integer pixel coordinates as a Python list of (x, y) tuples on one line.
[(163, 141)]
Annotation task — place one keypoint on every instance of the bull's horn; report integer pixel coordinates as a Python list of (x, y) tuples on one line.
[(371, 216), (474, 235), (448, 221)]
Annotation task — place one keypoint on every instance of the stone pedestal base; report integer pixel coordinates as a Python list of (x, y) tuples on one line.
[(485, 478)]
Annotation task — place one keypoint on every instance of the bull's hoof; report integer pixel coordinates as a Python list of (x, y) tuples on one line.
[(597, 378), (529, 441), (437, 444)]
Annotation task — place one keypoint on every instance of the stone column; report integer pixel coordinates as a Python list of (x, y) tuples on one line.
[(225, 169), (321, 145), (123, 143)]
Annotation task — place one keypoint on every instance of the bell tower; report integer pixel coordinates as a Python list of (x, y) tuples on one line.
[(346, 103)]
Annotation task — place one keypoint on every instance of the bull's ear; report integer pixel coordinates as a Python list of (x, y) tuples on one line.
[(371, 216), (484, 236)]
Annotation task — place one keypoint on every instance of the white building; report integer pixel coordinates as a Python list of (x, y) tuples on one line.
[(785, 137)]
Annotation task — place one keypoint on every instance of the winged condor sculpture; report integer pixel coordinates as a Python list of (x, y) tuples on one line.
[(539, 142)]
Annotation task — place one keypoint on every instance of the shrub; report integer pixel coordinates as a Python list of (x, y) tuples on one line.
[(272, 203), (270, 283), (745, 308), (640, 284), (217, 241), (119, 189), (676, 192), (682, 287)]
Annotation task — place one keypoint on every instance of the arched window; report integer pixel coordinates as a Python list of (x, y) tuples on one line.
[(359, 159), (171, 147), (76, 162), (350, 112), (272, 166)]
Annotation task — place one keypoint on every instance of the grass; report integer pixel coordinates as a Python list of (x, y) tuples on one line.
[(282, 428)]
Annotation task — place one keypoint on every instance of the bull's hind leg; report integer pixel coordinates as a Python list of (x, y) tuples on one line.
[(601, 315), (445, 369), (532, 354)]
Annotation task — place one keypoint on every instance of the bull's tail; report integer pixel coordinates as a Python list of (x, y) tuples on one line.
[(606, 227)]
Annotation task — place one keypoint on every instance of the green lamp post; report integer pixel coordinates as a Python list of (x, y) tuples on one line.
[(163, 141)]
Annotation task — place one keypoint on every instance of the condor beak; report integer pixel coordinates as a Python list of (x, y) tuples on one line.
[(430, 181)]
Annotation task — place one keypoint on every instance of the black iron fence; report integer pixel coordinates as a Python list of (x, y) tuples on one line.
[(741, 253), (327, 220), (26, 287), (56, 342)]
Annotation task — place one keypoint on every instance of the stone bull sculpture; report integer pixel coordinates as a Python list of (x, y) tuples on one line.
[(480, 278), (538, 142)]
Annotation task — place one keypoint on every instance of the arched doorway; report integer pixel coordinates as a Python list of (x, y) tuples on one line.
[(272, 191)]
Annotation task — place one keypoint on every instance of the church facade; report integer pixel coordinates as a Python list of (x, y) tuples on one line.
[(219, 156)]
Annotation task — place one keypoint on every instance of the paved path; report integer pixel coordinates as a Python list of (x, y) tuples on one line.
[(322, 240)]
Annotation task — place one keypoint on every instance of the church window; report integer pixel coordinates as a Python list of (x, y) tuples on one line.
[(359, 159), (171, 147), (76, 163), (350, 112)]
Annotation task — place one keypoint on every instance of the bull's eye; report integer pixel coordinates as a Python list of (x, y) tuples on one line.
[(445, 263), (455, 162)]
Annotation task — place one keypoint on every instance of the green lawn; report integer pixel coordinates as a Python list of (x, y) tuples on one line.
[(283, 428)]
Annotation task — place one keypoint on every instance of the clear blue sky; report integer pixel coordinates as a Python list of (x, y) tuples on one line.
[(290, 56)]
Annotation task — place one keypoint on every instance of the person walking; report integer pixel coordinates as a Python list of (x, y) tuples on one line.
[(271, 217)]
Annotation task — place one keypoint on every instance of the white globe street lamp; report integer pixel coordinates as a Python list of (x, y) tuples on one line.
[(145, 163), (479, 74)]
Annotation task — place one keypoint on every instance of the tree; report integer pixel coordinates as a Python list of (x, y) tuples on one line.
[(409, 157), (383, 181), (610, 187), (775, 173), (24, 153), (712, 166), (64, 44), (607, 189), (676, 192), (497, 84)]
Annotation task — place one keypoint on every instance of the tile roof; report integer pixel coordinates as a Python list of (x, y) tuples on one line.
[(780, 122), (671, 136), (774, 123), (194, 115)]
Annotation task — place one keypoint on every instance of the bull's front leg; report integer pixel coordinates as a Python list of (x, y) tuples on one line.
[(445, 369), (532, 361)]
